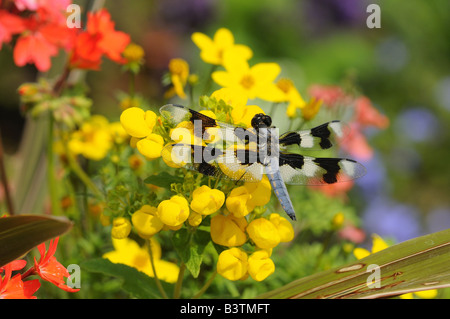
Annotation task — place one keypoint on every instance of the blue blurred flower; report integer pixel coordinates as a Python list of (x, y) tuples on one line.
[(391, 219), (374, 183), (438, 219), (417, 124)]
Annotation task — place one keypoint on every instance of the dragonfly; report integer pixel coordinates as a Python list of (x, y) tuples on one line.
[(223, 150)]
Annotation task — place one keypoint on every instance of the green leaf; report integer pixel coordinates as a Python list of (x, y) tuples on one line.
[(19, 234), (163, 179), (190, 247), (136, 283), (415, 265)]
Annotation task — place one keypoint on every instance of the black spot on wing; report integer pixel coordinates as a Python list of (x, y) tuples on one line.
[(323, 132), (290, 138), (331, 166), (293, 160)]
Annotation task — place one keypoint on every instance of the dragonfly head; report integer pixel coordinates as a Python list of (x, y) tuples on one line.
[(261, 120)]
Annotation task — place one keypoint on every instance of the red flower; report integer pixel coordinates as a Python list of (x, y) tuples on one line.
[(49, 269), (9, 24), (368, 115), (43, 37), (99, 39), (15, 288)]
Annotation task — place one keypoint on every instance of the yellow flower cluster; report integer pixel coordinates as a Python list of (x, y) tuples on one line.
[(236, 218), (139, 124), (96, 137)]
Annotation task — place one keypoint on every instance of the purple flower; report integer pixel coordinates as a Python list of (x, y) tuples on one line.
[(438, 219), (417, 124), (391, 219), (374, 183)]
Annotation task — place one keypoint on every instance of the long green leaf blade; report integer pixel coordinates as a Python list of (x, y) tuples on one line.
[(19, 234), (415, 265)]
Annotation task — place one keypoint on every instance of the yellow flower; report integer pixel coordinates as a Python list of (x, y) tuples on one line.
[(256, 81), (139, 124), (121, 228), (260, 192), (284, 227), (195, 219), (379, 244), (426, 294), (232, 264), (263, 233), (151, 146), (128, 252), (173, 212), (118, 134), (93, 140), (146, 222), (179, 73), (338, 220), (237, 202), (228, 230), (292, 96), (213, 50), (206, 201), (310, 110), (133, 53), (135, 161), (260, 266)]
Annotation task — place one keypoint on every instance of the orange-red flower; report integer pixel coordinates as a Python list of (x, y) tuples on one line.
[(100, 38), (49, 269), (9, 24), (15, 288)]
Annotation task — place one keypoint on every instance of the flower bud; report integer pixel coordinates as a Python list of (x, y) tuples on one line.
[(121, 228)]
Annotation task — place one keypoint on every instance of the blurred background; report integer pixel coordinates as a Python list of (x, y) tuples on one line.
[(403, 67)]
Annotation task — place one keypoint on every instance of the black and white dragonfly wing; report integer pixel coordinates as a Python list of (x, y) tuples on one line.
[(297, 169), (318, 138), (211, 161), (202, 123)]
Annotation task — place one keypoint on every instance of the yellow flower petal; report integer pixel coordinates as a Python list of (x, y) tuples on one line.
[(378, 244), (206, 201), (173, 212), (260, 266), (263, 233), (232, 264), (360, 253), (121, 228), (284, 227), (151, 146), (145, 221), (134, 122), (228, 230)]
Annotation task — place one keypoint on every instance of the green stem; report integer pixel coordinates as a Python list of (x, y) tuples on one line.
[(9, 203), (56, 207), (205, 286), (79, 172), (177, 291), (157, 281), (209, 80)]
